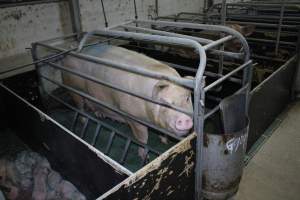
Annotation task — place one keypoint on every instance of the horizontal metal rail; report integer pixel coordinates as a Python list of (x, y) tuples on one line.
[(216, 28), (206, 73), (230, 21), (106, 84), (111, 108), (223, 78), (133, 69), (37, 61), (210, 43), (158, 32), (218, 42)]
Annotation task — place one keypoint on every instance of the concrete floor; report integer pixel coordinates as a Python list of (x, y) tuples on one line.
[(274, 171)]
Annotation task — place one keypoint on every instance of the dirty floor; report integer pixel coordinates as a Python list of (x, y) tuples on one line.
[(274, 171)]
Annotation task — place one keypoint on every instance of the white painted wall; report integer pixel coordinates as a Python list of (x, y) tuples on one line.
[(19, 26), (120, 10), (22, 25)]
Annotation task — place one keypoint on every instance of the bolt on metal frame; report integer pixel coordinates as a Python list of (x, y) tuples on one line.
[(197, 85)]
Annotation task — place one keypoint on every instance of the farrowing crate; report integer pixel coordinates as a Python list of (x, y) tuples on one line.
[(174, 173)]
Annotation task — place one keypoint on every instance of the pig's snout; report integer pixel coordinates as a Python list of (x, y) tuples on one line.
[(184, 123)]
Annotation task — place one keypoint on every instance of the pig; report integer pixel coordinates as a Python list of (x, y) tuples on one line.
[(178, 123), (29, 176)]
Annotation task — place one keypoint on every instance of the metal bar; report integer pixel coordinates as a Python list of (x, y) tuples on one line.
[(204, 27), (129, 68), (111, 108), (83, 130), (96, 135), (74, 121), (217, 82), (110, 141), (246, 23), (125, 152), (104, 13), (36, 62), (75, 15), (135, 10), (165, 33), (223, 21), (267, 58), (211, 112), (215, 52), (218, 42), (156, 7), (106, 84), (206, 73), (119, 133), (198, 39), (270, 41), (199, 113), (145, 159), (279, 27)]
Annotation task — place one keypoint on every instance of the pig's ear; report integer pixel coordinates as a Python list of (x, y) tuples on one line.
[(247, 30), (159, 87)]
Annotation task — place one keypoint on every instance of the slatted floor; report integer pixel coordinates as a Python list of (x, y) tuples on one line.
[(274, 171)]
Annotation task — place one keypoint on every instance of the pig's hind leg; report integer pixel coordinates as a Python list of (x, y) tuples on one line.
[(80, 103), (140, 132)]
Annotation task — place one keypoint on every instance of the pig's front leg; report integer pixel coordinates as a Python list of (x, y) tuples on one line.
[(140, 132), (80, 102)]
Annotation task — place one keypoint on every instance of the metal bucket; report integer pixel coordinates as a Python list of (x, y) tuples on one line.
[(223, 154)]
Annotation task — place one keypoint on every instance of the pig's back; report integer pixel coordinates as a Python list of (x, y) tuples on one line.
[(125, 80)]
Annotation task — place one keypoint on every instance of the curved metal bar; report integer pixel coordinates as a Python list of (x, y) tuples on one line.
[(152, 38), (216, 28)]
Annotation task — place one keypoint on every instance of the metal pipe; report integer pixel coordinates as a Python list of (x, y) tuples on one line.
[(279, 28), (135, 10), (104, 13), (206, 73), (218, 42), (217, 82), (235, 22), (75, 15), (200, 40), (129, 68), (165, 33), (36, 62), (203, 27), (95, 80), (270, 41)]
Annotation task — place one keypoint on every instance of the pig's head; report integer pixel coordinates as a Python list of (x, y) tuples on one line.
[(246, 31), (172, 120)]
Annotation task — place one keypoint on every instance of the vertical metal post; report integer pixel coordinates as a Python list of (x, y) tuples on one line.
[(75, 15), (38, 70), (223, 21), (135, 10), (199, 101), (104, 13), (156, 7), (282, 8), (296, 84)]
